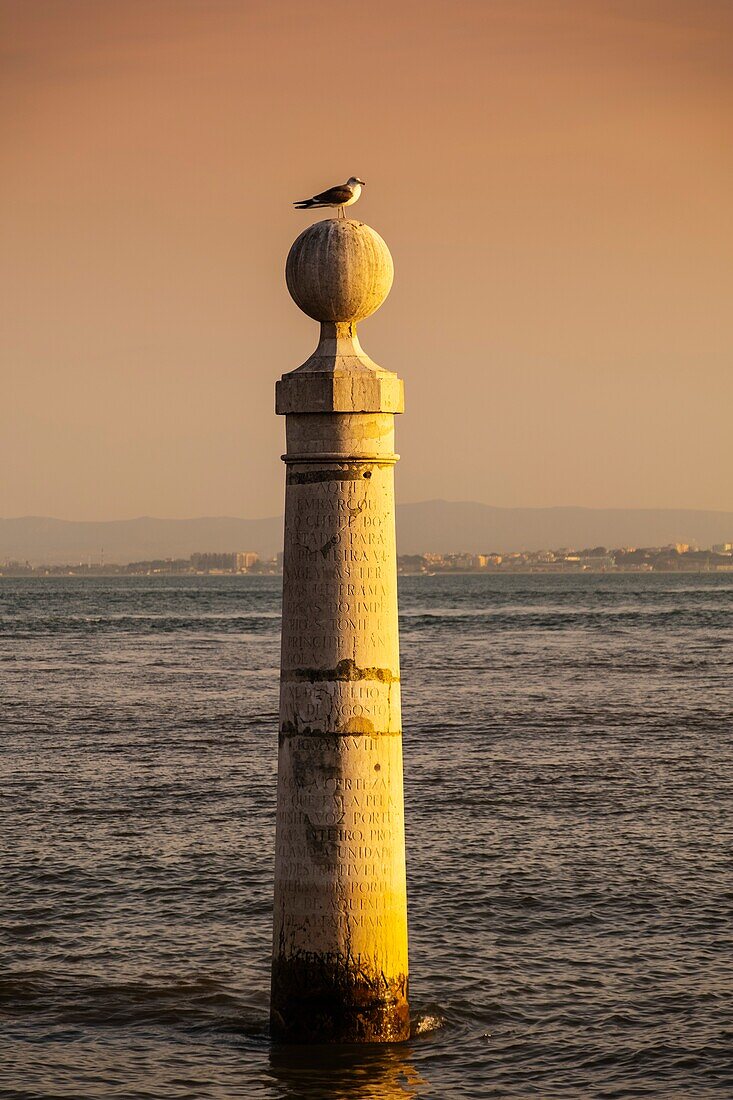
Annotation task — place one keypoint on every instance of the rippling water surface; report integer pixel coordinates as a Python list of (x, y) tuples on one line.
[(569, 786)]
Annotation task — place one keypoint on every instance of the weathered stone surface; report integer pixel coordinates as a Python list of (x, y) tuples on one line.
[(339, 270), (339, 387), (340, 922)]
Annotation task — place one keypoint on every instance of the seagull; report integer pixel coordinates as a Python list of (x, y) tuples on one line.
[(343, 195)]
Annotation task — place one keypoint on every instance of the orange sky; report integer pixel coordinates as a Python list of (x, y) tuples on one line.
[(554, 179)]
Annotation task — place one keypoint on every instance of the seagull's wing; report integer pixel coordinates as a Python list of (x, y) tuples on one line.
[(334, 196)]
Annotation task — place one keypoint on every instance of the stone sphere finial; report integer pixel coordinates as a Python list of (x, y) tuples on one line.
[(339, 270)]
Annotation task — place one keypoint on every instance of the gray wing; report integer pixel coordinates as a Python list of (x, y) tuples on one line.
[(334, 195)]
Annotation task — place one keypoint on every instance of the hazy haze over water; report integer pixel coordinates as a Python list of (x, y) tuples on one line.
[(569, 771)]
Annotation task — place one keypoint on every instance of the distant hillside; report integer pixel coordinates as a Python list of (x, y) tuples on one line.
[(434, 525), (451, 526), (41, 540)]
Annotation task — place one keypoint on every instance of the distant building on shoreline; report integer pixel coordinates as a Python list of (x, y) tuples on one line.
[(246, 560), (241, 561)]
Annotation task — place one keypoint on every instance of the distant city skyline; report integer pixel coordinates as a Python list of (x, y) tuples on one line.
[(679, 557), (553, 178)]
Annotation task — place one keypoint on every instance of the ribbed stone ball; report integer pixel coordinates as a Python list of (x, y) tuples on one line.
[(339, 270)]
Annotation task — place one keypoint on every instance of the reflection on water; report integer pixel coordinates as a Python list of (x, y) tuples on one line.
[(334, 1073)]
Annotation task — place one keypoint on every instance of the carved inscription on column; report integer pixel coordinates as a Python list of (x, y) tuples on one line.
[(340, 579), (340, 854)]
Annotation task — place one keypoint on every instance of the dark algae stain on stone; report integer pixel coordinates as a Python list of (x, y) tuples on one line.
[(346, 670), (313, 477), (338, 998)]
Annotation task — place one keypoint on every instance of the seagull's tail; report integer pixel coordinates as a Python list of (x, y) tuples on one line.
[(304, 204)]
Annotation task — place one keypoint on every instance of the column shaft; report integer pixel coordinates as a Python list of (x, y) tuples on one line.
[(340, 922)]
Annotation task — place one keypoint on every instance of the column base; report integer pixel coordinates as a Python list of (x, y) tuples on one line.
[(329, 999)]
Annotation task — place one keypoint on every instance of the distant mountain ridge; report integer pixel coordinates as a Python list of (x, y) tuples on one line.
[(440, 526)]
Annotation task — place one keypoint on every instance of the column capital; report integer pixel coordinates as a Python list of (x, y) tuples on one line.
[(339, 272), (339, 377)]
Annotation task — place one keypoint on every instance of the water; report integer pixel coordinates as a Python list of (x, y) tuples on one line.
[(568, 792)]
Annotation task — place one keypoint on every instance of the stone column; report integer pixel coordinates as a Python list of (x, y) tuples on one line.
[(339, 971)]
